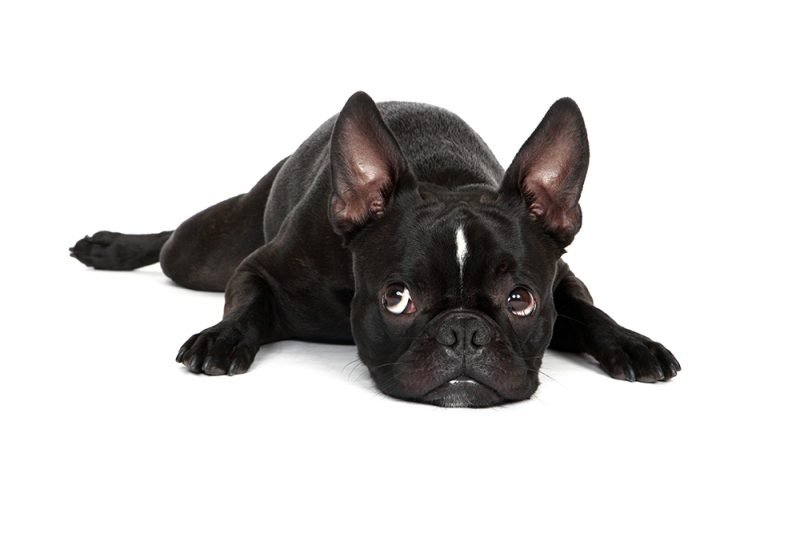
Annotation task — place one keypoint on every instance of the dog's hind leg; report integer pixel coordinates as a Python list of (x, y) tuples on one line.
[(202, 253), (113, 251), (206, 249)]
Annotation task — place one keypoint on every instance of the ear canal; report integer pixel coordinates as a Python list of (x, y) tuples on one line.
[(549, 170), (366, 165)]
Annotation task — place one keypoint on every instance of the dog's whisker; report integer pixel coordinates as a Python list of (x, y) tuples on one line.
[(328, 237), (544, 374), (352, 362)]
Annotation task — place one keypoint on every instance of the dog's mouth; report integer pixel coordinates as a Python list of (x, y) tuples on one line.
[(465, 392)]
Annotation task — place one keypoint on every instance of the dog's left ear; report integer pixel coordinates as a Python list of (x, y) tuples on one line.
[(367, 166), (549, 170)]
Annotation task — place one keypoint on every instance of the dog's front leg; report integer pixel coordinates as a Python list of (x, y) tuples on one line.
[(583, 328), (249, 321)]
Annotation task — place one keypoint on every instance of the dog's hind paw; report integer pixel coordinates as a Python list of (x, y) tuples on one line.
[(627, 355), (93, 251), (114, 251), (107, 251), (221, 349)]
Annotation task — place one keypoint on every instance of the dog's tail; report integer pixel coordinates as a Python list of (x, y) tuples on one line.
[(119, 252)]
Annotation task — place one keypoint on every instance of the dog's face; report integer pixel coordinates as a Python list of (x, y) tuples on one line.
[(453, 296), (453, 300)]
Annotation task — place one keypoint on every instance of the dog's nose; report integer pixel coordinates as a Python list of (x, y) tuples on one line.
[(464, 331)]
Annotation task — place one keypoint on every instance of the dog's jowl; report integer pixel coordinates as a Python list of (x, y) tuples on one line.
[(393, 226)]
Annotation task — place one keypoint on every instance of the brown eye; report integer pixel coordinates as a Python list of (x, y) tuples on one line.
[(397, 300), (521, 302)]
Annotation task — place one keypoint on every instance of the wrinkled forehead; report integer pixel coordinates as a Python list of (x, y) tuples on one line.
[(480, 244), (461, 248), (451, 249), (484, 248)]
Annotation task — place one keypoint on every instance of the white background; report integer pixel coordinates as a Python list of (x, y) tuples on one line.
[(131, 117)]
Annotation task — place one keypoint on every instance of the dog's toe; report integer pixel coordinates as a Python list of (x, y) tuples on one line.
[(96, 251), (218, 350), (635, 358)]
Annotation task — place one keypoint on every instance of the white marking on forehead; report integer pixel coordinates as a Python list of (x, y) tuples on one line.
[(461, 250)]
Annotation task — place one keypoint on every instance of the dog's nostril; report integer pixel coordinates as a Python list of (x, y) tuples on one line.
[(446, 336), (481, 337), (465, 332)]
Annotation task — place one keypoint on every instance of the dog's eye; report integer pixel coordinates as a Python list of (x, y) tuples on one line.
[(397, 300), (521, 302)]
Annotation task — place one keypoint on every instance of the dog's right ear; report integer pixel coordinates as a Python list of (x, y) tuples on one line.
[(366, 166)]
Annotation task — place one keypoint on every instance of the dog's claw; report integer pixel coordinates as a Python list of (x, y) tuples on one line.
[(234, 369), (659, 374), (184, 348), (210, 368), (630, 375)]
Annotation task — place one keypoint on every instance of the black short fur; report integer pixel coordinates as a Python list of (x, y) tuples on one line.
[(376, 193)]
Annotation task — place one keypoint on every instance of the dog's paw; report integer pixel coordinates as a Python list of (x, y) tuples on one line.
[(221, 349), (626, 355), (96, 251), (113, 251)]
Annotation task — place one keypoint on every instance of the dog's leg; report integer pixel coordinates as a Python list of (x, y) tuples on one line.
[(205, 250), (202, 253), (275, 294), (113, 251), (249, 321), (581, 327)]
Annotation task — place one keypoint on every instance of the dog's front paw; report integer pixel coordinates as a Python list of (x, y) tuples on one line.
[(626, 355), (221, 349)]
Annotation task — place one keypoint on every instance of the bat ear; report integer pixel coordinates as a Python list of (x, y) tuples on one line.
[(549, 170), (367, 165)]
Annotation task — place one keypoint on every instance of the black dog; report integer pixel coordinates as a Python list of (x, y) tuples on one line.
[(393, 226)]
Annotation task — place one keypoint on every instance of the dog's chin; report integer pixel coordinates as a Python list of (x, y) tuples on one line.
[(463, 392)]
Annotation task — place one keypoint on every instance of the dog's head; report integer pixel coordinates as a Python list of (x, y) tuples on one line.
[(453, 296)]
